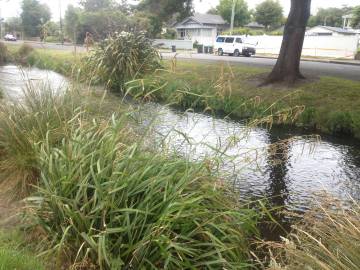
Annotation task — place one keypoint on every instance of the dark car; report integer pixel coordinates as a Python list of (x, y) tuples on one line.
[(10, 37)]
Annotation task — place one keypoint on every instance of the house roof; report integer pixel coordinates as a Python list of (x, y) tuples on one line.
[(204, 19), (337, 30), (255, 25)]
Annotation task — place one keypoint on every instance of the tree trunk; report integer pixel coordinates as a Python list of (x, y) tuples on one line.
[(287, 67)]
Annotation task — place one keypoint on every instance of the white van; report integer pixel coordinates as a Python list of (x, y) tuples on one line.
[(234, 45)]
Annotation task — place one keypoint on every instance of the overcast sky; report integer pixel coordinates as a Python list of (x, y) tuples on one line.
[(11, 8)]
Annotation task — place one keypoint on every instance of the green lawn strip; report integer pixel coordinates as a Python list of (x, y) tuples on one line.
[(16, 254)]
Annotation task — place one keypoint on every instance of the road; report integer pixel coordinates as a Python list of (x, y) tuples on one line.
[(309, 68)]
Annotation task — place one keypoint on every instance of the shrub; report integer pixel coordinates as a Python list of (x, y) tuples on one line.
[(112, 204), (328, 238), (121, 58)]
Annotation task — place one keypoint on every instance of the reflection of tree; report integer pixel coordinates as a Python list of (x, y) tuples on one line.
[(278, 155), (277, 191), (351, 171)]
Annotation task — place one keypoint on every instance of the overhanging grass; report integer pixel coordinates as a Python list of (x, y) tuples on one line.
[(327, 238)]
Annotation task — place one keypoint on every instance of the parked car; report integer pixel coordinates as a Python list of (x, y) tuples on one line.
[(10, 37), (234, 45)]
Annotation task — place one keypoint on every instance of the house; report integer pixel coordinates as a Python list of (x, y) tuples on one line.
[(330, 31), (201, 28), (347, 21), (255, 25)]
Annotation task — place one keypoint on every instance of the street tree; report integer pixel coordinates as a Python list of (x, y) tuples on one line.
[(96, 5), (33, 16), (328, 16), (72, 22), (356, 18), (287, 67), (269, 13), (13, 24), (164, 10), (242, 13)]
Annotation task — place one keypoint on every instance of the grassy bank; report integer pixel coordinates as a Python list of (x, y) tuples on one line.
[(329, 105)]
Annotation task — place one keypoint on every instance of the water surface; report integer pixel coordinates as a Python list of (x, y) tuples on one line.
[(288, 173)]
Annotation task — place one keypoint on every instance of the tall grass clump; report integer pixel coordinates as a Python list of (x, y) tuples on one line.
[(40, 114), (22, 54), (4, 54), (327, 238), (107, 202), (120, 58)]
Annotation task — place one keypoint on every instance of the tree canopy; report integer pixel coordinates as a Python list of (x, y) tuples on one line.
[(13, 24), (96, 5), (329, 17), (164, 10), (242, 13), (269, 13), (356, 18), (34, 15)]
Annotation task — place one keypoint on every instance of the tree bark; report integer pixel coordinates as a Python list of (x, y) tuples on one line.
[(287, 67)]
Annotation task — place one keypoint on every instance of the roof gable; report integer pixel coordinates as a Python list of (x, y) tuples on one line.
[(203, 19), (335, 29)]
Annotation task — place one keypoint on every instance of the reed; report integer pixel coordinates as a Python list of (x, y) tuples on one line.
[(327, 238)]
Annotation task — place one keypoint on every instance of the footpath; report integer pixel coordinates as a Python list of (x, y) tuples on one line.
[(195, 55)]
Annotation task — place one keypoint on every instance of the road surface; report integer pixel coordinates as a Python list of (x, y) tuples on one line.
[(351, 72)]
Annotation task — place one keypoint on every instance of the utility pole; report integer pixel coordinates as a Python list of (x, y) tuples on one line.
[(1, 22), (61, 25), (232, 17)]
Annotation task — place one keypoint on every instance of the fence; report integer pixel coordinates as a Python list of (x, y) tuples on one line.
[(168, 43), (316, 46)]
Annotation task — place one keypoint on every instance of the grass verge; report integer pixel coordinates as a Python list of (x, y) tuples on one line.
[(15, 253)]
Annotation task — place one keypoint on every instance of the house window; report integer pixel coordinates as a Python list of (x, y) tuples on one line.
[(182, 33)]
